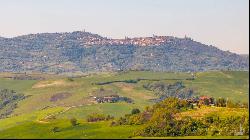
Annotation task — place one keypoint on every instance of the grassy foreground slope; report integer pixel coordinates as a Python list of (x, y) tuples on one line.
[(83, 130), (29, 126), (25, 122), (88, 131)]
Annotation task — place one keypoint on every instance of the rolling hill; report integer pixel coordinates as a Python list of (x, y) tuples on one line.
[(51, 100), (38, 98), (77, 92), (81, 52)]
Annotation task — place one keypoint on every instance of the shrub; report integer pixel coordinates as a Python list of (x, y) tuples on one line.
[(55, 129), (221, 102), (135, 111), (113, 123), (70, 79), (120, 121), (136, 119), (73, 122), (108, 117), (98, 117), (130, 81), (231, 104)]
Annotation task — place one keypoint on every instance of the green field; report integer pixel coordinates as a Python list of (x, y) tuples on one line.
[(83, 130), (232, 85), (26, 119), (29, 126), (86, 131)]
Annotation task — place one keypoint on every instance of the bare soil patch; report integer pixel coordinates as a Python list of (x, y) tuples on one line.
[(44, 84), (60, 96)]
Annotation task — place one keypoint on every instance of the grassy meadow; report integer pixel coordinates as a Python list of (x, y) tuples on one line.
[(27, 120)]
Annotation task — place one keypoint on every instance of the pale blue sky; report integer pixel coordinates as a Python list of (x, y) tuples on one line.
[(223, 23)]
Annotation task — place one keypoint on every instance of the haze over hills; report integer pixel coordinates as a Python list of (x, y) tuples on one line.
[(86, 52)]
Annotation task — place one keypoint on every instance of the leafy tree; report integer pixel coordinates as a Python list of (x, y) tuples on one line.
[(136, 119), (147, 108), (8, 101), (135, 111), (98, 117), (160, 120), (231, 104), (73, 121), (165, 90), (221, 102), (130, 81), (55, 129), (245, 105), (108, 117)]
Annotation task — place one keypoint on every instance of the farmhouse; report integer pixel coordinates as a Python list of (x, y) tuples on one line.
[(112, 99), (206, 100), (108, 99), (202, 100), (108, 96)]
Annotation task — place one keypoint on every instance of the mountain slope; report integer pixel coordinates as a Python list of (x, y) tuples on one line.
[(87, 52)]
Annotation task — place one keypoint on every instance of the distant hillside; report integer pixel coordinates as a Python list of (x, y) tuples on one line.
[(245, 56), (87, 52)]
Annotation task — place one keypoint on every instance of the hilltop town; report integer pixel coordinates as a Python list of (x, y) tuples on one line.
[(138, 41), (80, 52), (89, 39)]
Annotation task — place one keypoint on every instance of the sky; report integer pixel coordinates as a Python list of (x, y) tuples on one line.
[(222, 23)]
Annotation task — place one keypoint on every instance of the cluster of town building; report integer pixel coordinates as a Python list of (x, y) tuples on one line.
[(141, 41), (202, 100)]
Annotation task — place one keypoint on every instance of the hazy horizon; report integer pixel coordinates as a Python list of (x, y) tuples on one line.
[(221, 23)]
